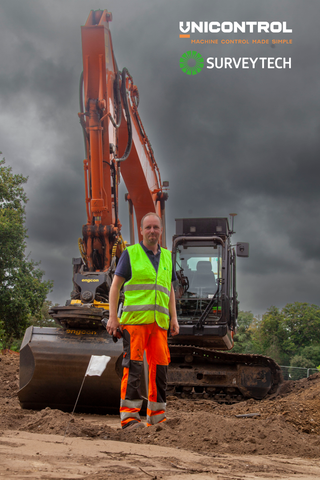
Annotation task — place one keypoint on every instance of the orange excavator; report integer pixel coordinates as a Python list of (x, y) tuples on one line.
[(53, 361)]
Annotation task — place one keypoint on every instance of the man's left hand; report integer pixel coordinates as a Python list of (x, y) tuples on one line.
[(174, 326)]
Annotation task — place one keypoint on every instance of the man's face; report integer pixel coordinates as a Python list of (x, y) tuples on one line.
[(151, 230)]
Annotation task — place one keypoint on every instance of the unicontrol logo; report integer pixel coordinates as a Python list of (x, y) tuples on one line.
[(191, 62)]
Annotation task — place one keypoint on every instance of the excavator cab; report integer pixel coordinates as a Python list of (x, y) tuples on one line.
[(200, 265), (205, 290)]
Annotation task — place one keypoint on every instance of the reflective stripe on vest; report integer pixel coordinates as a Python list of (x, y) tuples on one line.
[(147, 293), (147, 286)]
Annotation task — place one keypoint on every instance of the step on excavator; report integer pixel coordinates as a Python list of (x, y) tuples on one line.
[(53, 361)]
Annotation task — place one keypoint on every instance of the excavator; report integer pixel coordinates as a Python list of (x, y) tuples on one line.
[(53, 361)]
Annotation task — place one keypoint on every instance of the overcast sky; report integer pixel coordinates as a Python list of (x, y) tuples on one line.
[(228, 140)]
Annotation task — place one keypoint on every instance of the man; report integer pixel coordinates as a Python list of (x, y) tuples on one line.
[(149, 310)]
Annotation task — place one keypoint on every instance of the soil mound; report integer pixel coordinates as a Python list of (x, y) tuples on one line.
[(61, 423), (288, 424), (298, 403)]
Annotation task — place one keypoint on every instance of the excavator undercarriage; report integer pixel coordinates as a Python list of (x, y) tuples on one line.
[(54, 361), (224, 377)]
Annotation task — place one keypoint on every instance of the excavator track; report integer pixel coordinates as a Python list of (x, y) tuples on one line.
[(197, 372)]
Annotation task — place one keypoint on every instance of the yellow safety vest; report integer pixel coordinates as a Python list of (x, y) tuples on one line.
[(147, 293)]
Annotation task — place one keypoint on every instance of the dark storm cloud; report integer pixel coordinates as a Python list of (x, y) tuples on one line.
[(228, 141)]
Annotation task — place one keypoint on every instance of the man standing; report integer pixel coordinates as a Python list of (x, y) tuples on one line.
[(149, 310)]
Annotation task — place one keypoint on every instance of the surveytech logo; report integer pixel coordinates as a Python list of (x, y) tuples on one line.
[(191, 63)]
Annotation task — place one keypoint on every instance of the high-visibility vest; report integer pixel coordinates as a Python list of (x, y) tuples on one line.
[(147, 293)]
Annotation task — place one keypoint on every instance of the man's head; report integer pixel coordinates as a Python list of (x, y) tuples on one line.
[(151, 229)]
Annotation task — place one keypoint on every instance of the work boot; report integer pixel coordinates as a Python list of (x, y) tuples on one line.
[(133, 426)]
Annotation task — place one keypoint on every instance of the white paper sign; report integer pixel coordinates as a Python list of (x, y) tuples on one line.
[(97, 365)]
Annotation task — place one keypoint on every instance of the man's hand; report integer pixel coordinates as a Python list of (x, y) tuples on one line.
[(113, 322), (174, 326), (112, 325)]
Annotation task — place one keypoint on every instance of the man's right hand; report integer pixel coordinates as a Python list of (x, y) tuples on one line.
[(112, 325), (113, 322)]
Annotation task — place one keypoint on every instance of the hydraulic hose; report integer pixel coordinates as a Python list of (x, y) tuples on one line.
[(115, 195), (118, 100), (85, 136), (80, 92), (126, 109)]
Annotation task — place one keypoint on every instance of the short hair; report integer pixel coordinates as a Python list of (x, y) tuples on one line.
[(149, 215)]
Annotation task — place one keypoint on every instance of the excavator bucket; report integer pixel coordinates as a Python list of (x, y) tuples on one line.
[(53, 363)]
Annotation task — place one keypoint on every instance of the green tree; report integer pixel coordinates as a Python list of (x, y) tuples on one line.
[(22, 288), (270, 335), (293, 331), (243, 342), (308, 357), (312, 354), (43, 318), (291, 335), (300, 362), (302, 324)]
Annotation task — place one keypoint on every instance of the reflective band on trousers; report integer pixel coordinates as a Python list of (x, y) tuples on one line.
[(145, 308), (147, 286), (125, 415), (131, 403), (156, 407), (156, 418)]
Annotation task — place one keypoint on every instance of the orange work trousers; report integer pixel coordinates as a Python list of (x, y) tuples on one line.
[(138, 339)]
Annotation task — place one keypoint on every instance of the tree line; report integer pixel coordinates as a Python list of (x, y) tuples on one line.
[(23, 291), (290, 335)]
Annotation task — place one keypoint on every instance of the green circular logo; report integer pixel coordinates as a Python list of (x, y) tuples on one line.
[(194, 58)]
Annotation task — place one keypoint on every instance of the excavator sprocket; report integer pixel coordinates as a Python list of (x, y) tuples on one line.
[(225, 377)]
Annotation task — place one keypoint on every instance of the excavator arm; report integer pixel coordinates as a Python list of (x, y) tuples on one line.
[(115, 144)]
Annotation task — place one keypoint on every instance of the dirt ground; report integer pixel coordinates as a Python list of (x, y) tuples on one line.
[(200, 440)]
